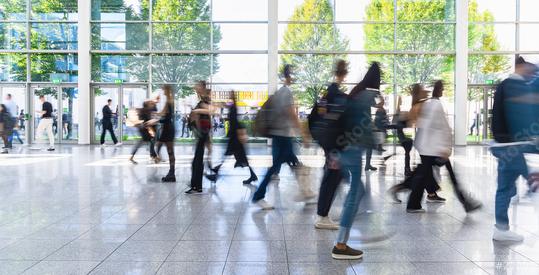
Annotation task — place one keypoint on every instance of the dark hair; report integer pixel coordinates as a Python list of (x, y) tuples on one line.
[(9, 95), (109, 100), (415, 89), (341, 68), (438, 88), (4, 108), (202, 83), (41, 96), (371, 80), (287, 71)]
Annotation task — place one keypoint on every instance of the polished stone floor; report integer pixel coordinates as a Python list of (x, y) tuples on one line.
[(84, 210)]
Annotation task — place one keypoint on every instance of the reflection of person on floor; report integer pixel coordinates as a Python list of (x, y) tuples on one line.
[(46, 122), (237, 137), (106, 123)]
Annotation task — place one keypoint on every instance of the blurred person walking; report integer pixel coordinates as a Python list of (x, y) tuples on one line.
[(106, 124), (358, 135), (381, 122), (283, 127), (7, 122), (434, 144), (201, 120), (237, 137), (419, 97), (167, 133), (325, 123), (514, 125), (146, 129), (45, 124)]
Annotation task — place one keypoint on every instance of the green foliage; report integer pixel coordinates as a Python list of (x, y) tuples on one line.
[(191, 36), (314, 70)]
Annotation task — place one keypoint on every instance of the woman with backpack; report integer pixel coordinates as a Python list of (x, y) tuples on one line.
[(324, 123), (358, 135)]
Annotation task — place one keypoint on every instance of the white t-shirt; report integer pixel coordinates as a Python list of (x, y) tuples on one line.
[(11, 107)]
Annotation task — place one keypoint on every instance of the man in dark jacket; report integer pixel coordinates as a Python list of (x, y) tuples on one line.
[(515, 122), (106, 123)]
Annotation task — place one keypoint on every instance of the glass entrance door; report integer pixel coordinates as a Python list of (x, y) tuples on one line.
[(123, 98), (19, 109), (64, 101), (480, 102)]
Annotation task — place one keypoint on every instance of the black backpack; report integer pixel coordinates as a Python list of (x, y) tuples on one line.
[(326, 123)]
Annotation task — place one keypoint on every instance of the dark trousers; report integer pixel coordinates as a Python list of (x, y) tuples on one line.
[(330, 182), (283, 152), (424, 176), (197, 167), (139, 143), (107, 126)]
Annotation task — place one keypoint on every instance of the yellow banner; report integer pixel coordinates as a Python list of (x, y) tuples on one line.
[(243, 98)]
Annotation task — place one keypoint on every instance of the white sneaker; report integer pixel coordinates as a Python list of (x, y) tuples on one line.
[(326, 223), (264, 205), (118, 144), (103, 145), (506, 235)]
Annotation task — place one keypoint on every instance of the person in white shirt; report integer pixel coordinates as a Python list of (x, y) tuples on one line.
[(434, 144)]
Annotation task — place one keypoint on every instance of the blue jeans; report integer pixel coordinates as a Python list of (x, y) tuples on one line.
[(283, 152), (352, 164), (511, 165)]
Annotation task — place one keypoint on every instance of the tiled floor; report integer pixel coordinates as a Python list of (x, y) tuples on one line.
[(85, 210)]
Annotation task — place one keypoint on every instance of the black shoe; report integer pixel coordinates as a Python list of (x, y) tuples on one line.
[(215, 170), (212, 178), (346, 254), (50, 149), (435, 198), (193, 191), (251, 179), (370, 168), (169, 178), (472, 205)]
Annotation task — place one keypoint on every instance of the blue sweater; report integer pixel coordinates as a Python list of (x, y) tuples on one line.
[(515, 114)]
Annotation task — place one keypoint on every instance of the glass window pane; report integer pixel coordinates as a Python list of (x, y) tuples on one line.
[(421, 68), (241, 36), (240, 68), (305, 10), (181, 10), (54, 67), (181, 68), (491, 37), (240, 10), (359, 64), (12, 67), (120, 10), (528, 10), (371, 37), (125, 68), (12, 36), (181, 36), (426, 37), (57, 10), (120, 36), (491, 10), (487, 68), (529, 40), (533, 58), (369, 10), (302, 37), (13, 10), (425, 10), (54, 36)]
